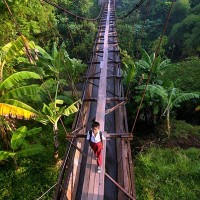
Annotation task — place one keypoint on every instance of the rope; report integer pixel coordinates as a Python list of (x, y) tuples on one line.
[(47, 191), (151, 69), (72, 14), (134, 9)]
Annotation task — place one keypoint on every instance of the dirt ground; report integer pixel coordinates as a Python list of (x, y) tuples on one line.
[(143, 142), (184, 143)]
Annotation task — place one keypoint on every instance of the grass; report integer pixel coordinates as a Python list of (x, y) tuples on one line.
[(168, 174), (30, 181)]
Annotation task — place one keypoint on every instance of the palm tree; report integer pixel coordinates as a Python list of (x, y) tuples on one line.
[(170, 98)]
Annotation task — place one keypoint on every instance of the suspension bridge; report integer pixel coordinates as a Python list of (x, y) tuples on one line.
[(103, 100)]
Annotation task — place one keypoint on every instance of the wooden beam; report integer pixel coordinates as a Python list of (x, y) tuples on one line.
[(120, 187), (90, 99), (109, 135), (116, 99)]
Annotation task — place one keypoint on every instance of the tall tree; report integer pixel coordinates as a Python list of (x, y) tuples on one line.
[(35, 20)]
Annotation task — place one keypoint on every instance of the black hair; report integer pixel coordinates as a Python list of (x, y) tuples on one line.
[(95, 124)]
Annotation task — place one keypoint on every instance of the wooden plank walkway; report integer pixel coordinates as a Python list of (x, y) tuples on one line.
[(103, 99), (93, 186)]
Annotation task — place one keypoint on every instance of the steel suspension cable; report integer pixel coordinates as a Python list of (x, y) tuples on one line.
[(152, 66), (72, 14)]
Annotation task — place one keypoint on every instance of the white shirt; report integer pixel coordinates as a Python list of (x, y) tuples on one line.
[(95, 139)]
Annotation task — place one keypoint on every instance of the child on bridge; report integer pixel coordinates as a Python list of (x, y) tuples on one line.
[(95, 137)]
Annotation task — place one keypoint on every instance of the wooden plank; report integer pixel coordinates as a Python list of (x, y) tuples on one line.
[(102, 174), (109, 135), (91, 77), (92, 178), (90, 99), (116, 99), (119, 186), (96, 186), (87, 175)]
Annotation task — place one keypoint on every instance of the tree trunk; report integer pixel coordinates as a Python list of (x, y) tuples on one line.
[(56, 143), (168, 124)]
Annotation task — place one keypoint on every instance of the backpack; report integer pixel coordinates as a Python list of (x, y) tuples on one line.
[(90, 132)]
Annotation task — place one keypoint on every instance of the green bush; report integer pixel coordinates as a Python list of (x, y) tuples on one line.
[(168, 174), (185, 75)]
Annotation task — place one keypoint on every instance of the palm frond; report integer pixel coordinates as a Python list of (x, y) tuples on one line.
[(4, 155), (18, 138), (16, 48), (146, 57)]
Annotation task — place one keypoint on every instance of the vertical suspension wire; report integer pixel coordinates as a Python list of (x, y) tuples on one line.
[(151, 69), (141, 35)]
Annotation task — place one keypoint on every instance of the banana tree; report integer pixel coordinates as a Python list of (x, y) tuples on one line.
[(52, 113), (61, 67), (129, 71), (147, 62), (169, 98), (20, 145), (12, 89)]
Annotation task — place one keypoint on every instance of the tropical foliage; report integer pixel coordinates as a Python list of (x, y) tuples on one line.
[(52, 113), (9, 103), (61, 67), (167, 98), (20, 146), (31, 74)]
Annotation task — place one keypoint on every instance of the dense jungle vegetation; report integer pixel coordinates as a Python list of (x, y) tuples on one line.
[(38, 89), (167, 134)]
